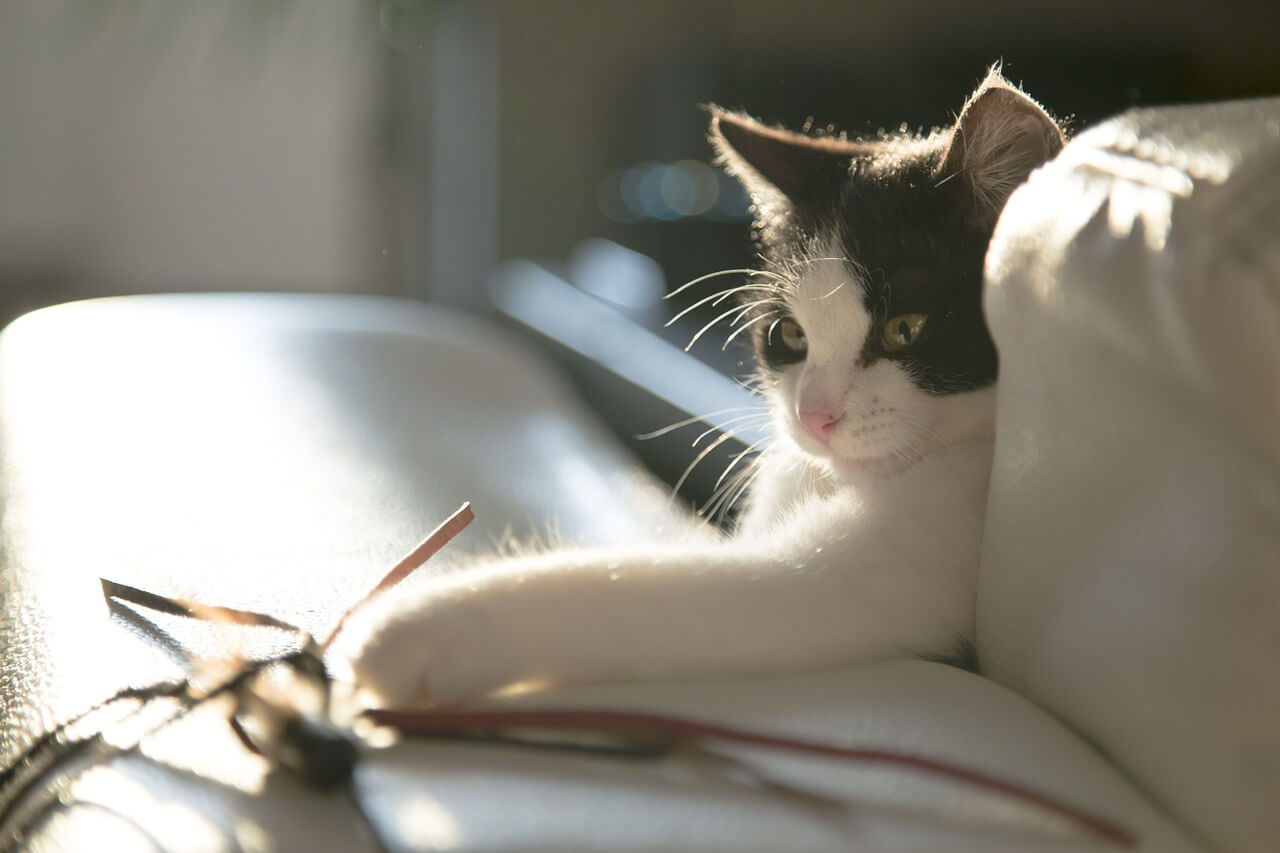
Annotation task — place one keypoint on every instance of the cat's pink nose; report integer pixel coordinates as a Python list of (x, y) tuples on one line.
[(819, 424)]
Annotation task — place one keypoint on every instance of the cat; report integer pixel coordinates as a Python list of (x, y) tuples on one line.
[(861, 533)]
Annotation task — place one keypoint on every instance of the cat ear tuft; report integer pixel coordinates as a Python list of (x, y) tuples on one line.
[(777, 165), (1001, 136)]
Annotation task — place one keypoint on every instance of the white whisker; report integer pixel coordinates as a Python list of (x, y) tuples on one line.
[(708, 509), (704, 418), (768, 336), (763, 417), (675, 490), (736, 459), (757, 384), (731, 311), (752, 473), (716, 507), (717, 274), (831, 292), (724, 498), (744, 327), (718, 297), (842, 259)]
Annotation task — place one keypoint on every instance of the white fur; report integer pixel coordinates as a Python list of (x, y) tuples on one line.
[(864, 550)]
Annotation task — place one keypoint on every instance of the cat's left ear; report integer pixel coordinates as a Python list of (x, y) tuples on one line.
[(1000, 137), (778, 168)]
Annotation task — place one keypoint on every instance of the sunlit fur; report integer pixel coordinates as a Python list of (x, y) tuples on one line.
[(859, 549)]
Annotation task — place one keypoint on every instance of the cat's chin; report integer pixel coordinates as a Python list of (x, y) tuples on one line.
[(871, 468), (855, 468)]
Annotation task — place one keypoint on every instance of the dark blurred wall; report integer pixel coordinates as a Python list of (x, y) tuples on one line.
[(586, 88), (407, 145)]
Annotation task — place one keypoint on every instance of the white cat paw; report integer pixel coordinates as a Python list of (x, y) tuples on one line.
[(440, 650)]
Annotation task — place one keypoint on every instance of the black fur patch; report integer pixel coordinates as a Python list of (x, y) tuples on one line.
[(914, 213), (922, 250), (916, 237)]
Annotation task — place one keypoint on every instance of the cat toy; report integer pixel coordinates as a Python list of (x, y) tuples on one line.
[(281, 706), (304, 739)]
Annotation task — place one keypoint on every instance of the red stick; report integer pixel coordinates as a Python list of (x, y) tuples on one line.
[(437, 539), (660, 725)]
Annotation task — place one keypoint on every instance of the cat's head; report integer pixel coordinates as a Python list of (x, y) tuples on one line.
[(867, 316)]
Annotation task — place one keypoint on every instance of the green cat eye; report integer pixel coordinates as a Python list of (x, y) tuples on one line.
[(902, 331), (791, 336)]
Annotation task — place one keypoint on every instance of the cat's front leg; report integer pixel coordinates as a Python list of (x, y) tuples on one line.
[(787, 602)]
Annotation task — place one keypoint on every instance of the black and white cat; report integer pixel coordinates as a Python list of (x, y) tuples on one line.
[(862, 531)]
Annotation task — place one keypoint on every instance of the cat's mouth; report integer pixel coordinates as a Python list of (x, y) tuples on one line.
[(857, 462), (853, 459)]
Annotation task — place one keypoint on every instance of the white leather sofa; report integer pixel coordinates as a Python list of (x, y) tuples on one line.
[(280, 452)]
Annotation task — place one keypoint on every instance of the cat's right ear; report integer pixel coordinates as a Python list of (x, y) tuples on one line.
[(777, 166), (1000, 137)]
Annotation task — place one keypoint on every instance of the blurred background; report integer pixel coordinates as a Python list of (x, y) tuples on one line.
[(475, 152)]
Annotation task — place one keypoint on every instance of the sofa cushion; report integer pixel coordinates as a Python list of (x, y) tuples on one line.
[(503, 799), (279, 453), (1130, 579)]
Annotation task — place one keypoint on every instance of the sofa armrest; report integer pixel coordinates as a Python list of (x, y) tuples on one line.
[(1130, 579), (278, 453)]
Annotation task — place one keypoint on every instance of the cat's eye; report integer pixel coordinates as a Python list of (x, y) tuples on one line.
[(903, 330), (792, 338)]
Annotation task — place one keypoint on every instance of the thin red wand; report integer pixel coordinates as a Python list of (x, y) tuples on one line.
[(436, 539), (640, 724)]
